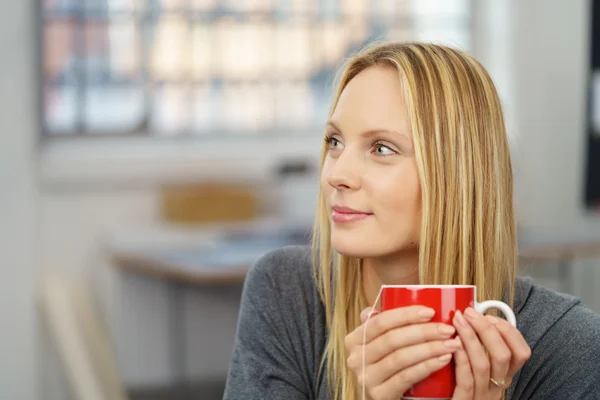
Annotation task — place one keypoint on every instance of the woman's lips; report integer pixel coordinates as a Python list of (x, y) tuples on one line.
[(345, 214)]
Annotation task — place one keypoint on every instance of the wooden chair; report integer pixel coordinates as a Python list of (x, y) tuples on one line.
[(81, 338)]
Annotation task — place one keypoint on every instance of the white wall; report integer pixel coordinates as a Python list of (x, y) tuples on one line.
[(76, 223), (551, 48), (552, 63), (18, 133)]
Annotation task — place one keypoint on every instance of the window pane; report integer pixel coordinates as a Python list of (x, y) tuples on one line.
[(59, 51), (359, 33), (230, 101), (125, 5), (402, 34), (60, 6), (94, 9), (173, 4), (124, 49), (387, 8), (96, 55), (171, 110), (203, 52), (247, 6), (170, 48), (216, 66), (257, 107), (294, 107), (447, 37), (203, 5), (244, 50), (300, 7), (203, 110), (425, 8), (113, 108), (244, 108), (355, 8), (329, 9), (334, 42), (293, 51), (60, 110)]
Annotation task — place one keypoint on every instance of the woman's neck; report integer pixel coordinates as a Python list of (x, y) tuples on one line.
[(398, 269)]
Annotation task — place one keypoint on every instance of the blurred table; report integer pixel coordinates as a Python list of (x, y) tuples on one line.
[(562, 250), (219, 255)]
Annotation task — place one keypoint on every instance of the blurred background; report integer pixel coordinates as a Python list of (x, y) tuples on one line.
[(151, 150)]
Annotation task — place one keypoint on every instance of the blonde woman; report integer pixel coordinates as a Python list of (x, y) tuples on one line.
[(416, 188)]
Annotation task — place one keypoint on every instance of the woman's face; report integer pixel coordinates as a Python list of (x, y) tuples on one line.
[(369, 178)]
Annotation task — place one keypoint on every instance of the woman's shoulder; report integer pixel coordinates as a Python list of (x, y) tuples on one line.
[(541, 310), (285, 275), (563, 335), (288, 264), (281, 329)]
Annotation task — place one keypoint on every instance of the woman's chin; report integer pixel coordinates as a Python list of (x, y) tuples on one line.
[(354, 248)]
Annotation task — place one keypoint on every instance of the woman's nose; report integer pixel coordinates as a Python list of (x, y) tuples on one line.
[(345, 173)]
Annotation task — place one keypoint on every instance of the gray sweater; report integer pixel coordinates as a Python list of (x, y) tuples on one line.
[(281, 337)]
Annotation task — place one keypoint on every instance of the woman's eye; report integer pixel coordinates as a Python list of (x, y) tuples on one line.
[(383, 150), (333, 143)]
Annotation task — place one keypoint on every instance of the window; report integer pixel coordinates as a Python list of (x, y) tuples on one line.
[(215, 67)]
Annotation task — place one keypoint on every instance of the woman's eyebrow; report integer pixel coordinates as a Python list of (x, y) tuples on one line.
[(370, 132)]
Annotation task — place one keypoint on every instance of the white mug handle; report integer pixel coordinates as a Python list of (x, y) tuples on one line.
[(510, 315)]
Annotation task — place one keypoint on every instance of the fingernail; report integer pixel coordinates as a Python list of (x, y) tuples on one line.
[(471, 314), (445, 358), (446, 330), (459, 319), (426, 313), (492, 319), (452, 344)]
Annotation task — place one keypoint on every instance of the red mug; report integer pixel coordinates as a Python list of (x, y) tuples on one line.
[(445, 300)]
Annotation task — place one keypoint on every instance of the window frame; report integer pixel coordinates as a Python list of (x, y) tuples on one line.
[(140, 159)]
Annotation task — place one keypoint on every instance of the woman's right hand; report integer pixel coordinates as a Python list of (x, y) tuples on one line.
[(401, 348)]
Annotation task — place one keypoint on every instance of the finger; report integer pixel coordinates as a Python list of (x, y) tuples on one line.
[(387, 320), (480, 364), (515, 341), (499, 353), (406, 357), (365, 314), (465, 383), (406, 336), (398, 384)]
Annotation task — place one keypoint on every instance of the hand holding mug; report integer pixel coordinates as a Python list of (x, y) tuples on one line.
[(401, 348), (470, 377), (480, 375)]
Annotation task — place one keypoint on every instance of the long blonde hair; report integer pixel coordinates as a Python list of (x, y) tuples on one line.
[(468, 226)]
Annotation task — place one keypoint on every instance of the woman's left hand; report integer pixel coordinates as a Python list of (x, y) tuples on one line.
[(476, 371)]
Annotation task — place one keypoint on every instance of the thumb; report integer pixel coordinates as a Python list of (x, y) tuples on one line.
[(365, 314)]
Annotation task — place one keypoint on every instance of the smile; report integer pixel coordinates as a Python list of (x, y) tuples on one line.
[(345, 214)]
